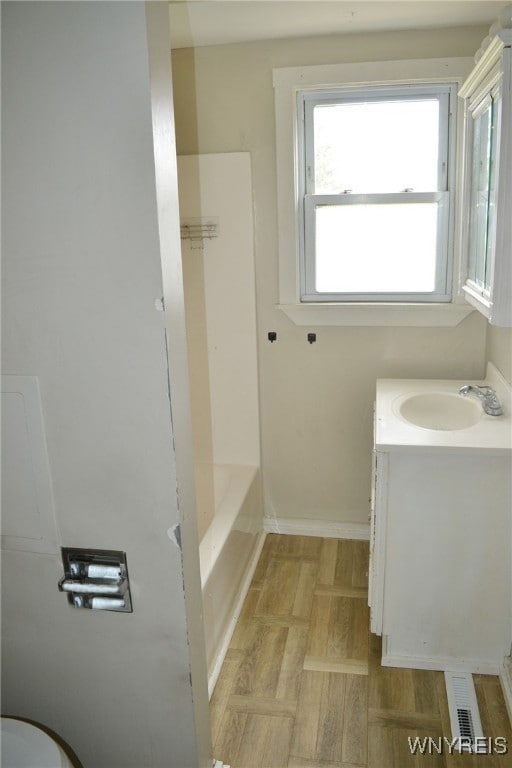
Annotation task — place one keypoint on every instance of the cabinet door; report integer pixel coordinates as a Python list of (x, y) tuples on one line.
[(488, 187), (378, 524), (372, 529), (483, 196)]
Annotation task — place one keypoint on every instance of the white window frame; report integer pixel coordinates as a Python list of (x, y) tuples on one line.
[(289, 83)]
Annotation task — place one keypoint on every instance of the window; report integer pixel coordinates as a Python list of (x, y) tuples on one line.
[(376, 193), (369, 175)]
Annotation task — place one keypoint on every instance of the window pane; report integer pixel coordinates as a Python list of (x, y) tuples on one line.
[(376, 248), (482, 198), (376, 146)]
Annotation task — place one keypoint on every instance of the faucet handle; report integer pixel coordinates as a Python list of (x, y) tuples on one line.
[(486, 390), (492, 405), (487, 395)]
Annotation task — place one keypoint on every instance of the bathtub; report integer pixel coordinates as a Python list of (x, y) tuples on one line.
[(228, 551)]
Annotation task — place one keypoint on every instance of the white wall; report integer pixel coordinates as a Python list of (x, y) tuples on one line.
[(81, 272), (220, 305), (316, 400), (218, 187)]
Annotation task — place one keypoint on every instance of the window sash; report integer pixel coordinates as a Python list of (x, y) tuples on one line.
[(307, 100), (442, 289), (312, 99)]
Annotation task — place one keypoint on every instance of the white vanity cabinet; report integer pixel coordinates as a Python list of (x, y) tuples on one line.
[(487, 93), (440, 571)]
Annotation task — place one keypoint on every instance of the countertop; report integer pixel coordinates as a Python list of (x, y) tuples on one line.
[(393, 433)]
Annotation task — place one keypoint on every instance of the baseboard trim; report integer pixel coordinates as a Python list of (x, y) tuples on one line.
[(325, 528), (506, 683), (442, 665), (475, 666), (214, 673)]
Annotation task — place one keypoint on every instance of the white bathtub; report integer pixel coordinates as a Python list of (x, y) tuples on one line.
[(228, 552)]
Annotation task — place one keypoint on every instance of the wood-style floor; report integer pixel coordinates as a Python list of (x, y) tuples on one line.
[(302, 685)]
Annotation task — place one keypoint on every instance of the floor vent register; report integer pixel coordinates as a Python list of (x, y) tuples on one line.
[(464, 715)]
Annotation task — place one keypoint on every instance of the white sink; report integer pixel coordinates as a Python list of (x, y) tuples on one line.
[(441, 410), (428, 414)]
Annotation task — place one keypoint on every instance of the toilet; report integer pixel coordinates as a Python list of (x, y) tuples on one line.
[(25, 745)]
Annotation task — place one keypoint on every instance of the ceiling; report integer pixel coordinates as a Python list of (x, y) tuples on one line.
[(215, 22)]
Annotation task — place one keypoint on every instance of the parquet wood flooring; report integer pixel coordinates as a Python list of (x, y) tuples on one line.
[(302, 686)]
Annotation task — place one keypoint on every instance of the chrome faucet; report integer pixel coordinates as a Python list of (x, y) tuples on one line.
[(488, 398)]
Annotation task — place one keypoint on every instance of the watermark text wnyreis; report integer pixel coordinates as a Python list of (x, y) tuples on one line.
[(480, 745)]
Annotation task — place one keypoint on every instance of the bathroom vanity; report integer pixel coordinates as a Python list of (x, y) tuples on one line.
[(440, 548)]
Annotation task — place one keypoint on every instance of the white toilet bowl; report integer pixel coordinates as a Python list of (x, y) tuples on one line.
[(24, 745)]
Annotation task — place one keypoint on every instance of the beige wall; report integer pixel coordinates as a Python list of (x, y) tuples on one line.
[(499, 349), (315, 400)]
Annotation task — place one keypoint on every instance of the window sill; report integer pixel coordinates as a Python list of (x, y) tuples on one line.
[(368, 314)]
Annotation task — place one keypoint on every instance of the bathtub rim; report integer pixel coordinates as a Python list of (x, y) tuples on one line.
[(225, 515)]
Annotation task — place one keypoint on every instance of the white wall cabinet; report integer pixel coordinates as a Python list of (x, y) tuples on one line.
[(488, 190)]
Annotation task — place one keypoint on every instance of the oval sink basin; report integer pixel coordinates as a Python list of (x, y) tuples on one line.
[(441, 410)]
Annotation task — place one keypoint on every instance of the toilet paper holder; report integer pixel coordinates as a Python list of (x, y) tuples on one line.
[(96, 579)]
